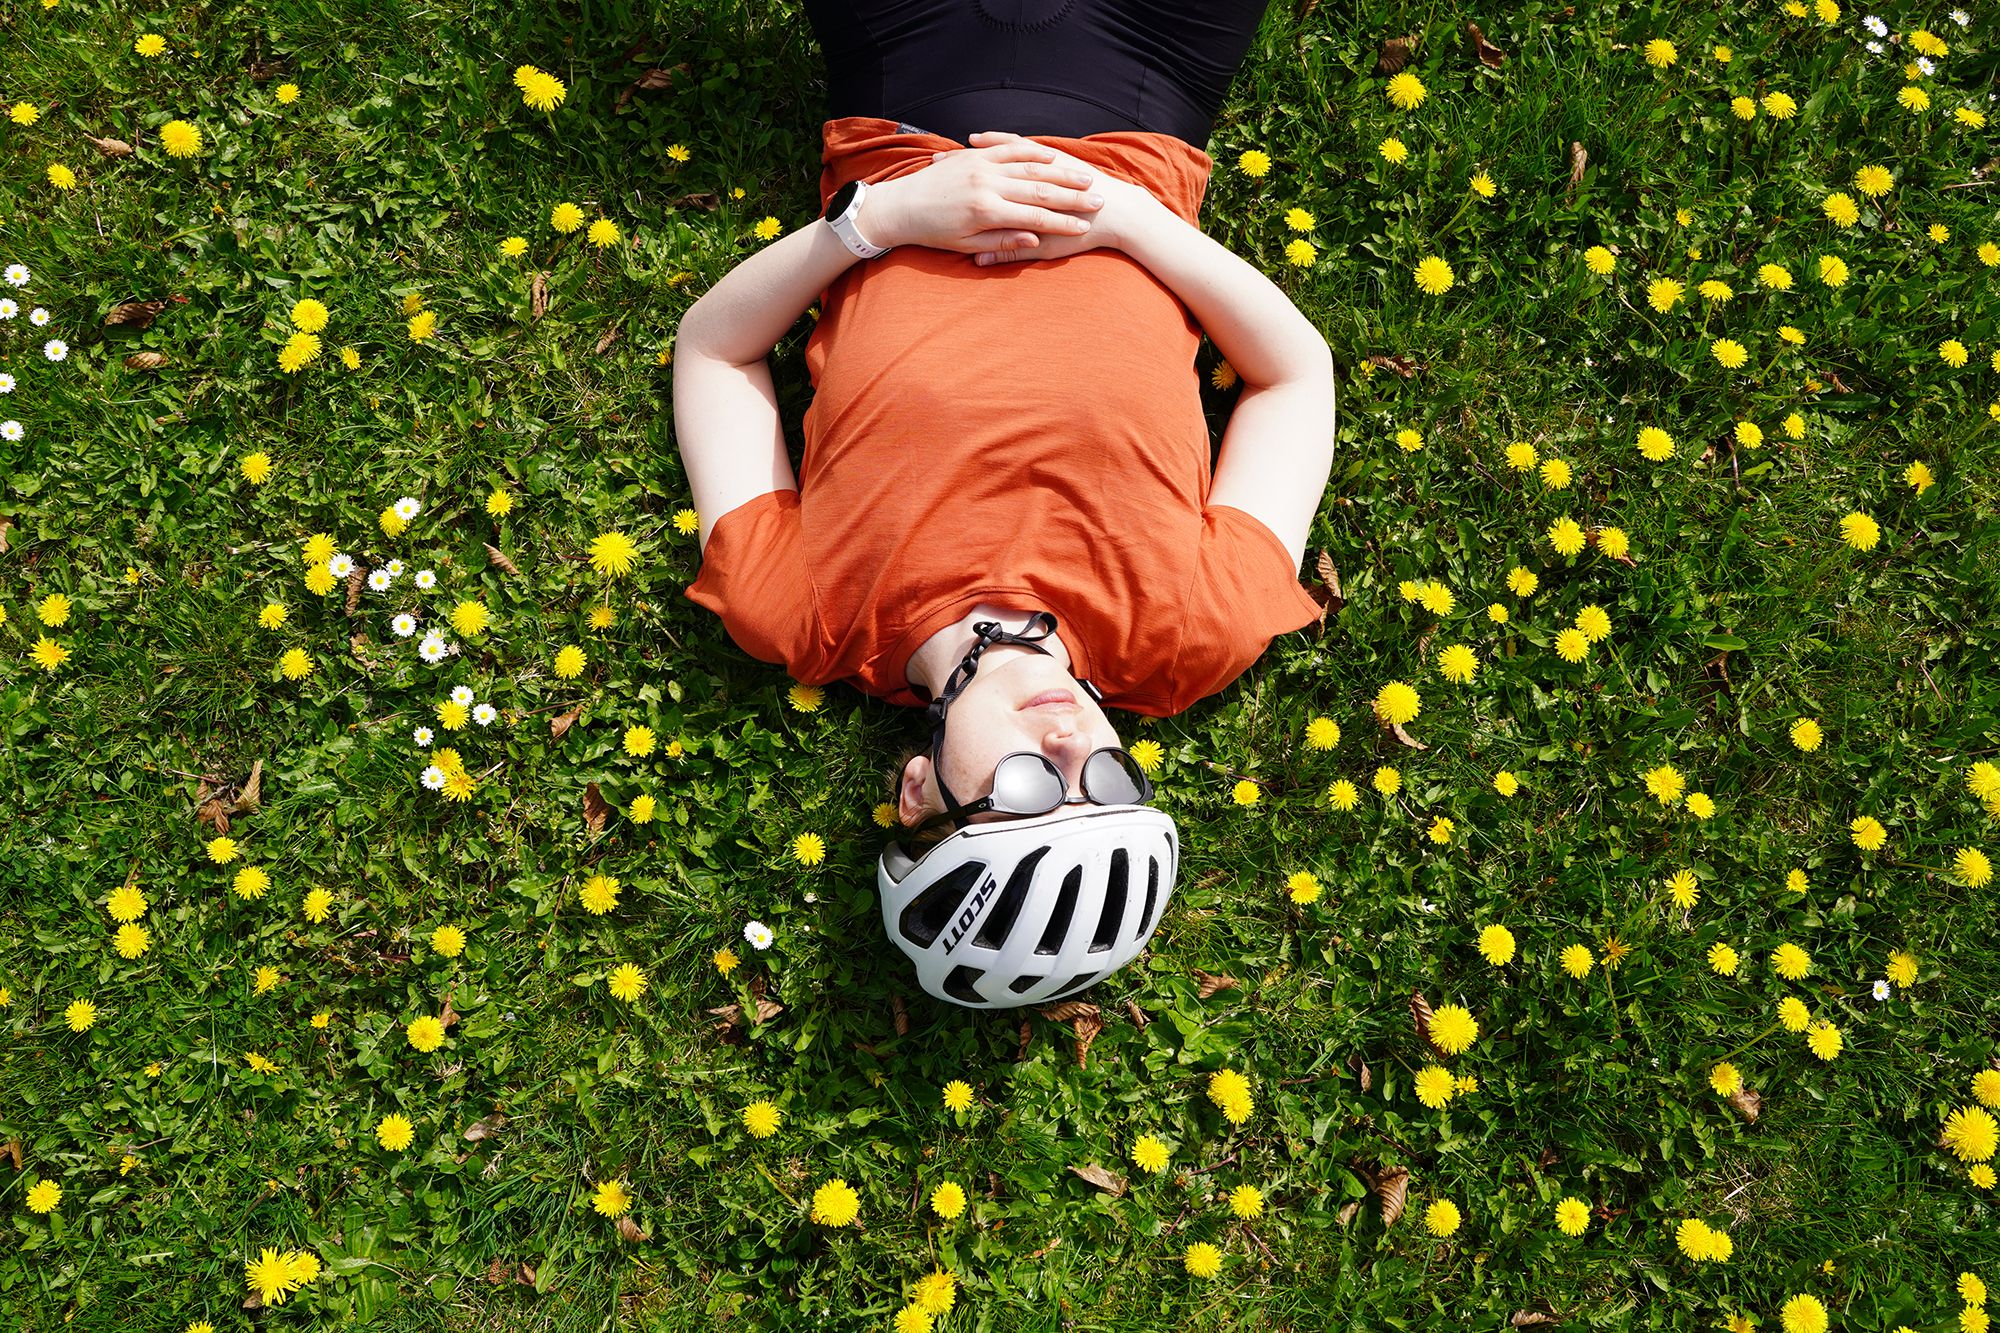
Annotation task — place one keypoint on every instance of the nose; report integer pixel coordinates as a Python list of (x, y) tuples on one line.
[(1068, 748)]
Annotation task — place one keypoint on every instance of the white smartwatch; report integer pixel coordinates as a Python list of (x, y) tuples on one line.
[(841, 211)]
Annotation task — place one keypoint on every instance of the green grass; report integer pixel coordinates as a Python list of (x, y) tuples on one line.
[(404, 162)]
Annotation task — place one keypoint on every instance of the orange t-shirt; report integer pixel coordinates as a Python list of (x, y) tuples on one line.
[(1029, 435)]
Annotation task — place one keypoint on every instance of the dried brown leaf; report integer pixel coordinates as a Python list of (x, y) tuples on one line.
[(538, 296), (652, 81), (1396, 52), (1530, 1318), (139, 314), (252, 793), (1578, 160), (496, 1272), (1393, 1188), (1211, 983), (1396, 730), (1066, 1010), (1420, 1015), (609, 337), (486, 1128), (1488, 54), (902, 1015), (1331, 578), (562, 722), (706, 200), (1027, 1036), (1136, 1014), (1748, 1102), (496, 556), (450, 1015), (145, 360), (1086, 1027), (1347, 1211), (13, 1150), (528, 1278), (356, 581), (1360, 1068), (1402, 365), (214, 812), (629, 1230), (596, 810), (1108, 1181), (731, 1015), (5, 523), (109, 147), (253, 1302), (263, 71)]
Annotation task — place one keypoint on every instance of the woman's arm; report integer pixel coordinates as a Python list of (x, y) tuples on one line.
[(1277, 450), (725, 408)]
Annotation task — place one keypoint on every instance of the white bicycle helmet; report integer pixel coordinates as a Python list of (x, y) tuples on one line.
[(1025, 911)]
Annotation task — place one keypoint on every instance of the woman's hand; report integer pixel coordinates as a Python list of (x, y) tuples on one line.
[(1003, 194), (1122, 200)]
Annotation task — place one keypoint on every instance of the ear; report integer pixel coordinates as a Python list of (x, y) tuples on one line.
[(913, 801)]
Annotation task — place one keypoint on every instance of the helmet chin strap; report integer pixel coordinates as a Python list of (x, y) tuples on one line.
[(987, 633)]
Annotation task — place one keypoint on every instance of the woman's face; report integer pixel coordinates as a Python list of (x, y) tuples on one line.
[(1024, 701)]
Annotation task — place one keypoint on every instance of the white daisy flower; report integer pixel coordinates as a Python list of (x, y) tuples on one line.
[(17, 275), (340, 566), (1874, 48), (38, 317), (1924, 64), (405, 625), (1881, 989), (422, 736), (1961, 18), (1875, 25), (758, 934), (10, 430), (6, 384), (55, 349), (434, 778), (379, 580), (426, 580), (407, 509), (395, 568), (432, 649), (461, 695), (484, 714), (8, 307)]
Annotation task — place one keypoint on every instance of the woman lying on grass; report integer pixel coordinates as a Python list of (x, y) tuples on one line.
[(1005, 512)]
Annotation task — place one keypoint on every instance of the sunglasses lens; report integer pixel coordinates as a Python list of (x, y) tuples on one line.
[(1112, 777), (1026, 784)]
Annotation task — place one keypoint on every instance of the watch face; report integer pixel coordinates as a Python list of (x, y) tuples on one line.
[(842, 197)]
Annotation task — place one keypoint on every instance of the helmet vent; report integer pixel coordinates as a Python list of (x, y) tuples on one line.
[(1082, 981), (1020, 984), (999, 923), (1058, 927), (959, 984), (1152, 890), (1106, 933), (931, 911)]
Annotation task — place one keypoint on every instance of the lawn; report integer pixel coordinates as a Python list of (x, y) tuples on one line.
[(1589, 924)]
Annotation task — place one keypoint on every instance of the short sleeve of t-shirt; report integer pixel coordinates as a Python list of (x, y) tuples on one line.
[(753, 575), (1245, 593)]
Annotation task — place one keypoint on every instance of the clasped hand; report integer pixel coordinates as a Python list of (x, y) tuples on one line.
[(1002, 199)]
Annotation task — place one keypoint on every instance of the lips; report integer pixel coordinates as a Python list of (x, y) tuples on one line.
[(1052, 697)]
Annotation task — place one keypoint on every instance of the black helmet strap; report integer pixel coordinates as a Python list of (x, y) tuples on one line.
[(986, 633)]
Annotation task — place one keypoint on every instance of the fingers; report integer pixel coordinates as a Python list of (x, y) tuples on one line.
[(1055, 173), (987, 258), (1008, 241), (1049, 196)]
